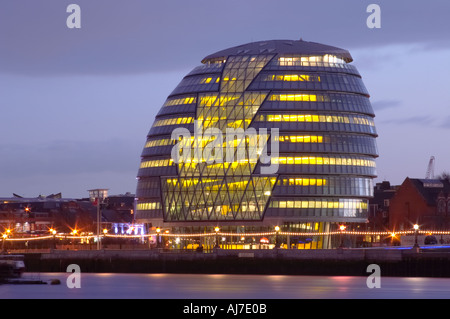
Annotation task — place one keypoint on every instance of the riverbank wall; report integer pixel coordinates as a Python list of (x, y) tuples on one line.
[(338, 262)]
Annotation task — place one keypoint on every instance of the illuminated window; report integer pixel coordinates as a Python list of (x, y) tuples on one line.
[(321, 60), (301, 138), (148, 206), (349, 119), (174, 121), (216, 100), (345, 204), (157, 163), (179, 101), (297, 97), (323, 160), (292, 77), (160, 142)]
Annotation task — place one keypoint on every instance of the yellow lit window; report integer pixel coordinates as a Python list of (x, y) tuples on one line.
[(293, 97), (293, 77), (178, 101), (157, 163), (313, 118), (148, 206), (160, 142)]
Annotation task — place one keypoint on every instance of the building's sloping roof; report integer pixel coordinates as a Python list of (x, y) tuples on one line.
[(431, 188), (382, 191), (113, 216), (283, 47)]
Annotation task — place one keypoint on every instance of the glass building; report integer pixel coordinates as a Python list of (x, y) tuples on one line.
[(306, 109)]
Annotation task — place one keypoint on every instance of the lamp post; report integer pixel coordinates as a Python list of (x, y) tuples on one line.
[(158, 230), (74, 234), (53, 232), (342, 229), (277, 229), (393, 237), (217, 229), (98, 195), (3, 241), (416, 244), (105, 232)]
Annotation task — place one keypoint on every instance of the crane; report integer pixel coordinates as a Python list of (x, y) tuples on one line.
[(430, 169)]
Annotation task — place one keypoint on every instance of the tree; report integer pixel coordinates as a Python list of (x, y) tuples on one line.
[(444, 176)]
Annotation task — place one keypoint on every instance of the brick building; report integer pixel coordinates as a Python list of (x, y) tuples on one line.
[(379, 206), (422, 201)]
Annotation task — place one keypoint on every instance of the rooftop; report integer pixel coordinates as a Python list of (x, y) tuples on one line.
[(281, 46)]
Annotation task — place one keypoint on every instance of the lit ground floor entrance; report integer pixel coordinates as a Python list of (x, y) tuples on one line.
[(287, 235)]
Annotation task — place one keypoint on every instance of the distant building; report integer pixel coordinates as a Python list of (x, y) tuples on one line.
[(379, 206), (37, 215), (422, 201)]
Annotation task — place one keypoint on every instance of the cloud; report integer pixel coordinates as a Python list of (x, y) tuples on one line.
[(414, 120), (138, 36), (385, 104), (446, 123), (65, 157)]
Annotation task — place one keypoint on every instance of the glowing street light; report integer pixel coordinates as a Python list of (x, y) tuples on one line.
[(3, 241), (97, 196), (217, 229), (158, 230), (277, 229), (342, 229), (416, 232), (53, 232)]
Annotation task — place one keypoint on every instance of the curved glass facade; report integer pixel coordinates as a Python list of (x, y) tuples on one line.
[(313, 120)]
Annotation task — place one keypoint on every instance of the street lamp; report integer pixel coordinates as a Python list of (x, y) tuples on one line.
[(277, 229), (416, 244), (217, 229), (3, 241), (53, 232), (342, 229), (393, 237), (98, 195), (158, 230)]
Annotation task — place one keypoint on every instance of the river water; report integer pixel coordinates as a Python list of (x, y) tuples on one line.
[(193, 286)]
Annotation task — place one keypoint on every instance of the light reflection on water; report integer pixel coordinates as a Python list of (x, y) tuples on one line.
[(182, 286)]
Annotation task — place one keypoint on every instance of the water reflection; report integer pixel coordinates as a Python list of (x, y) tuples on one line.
[(181, 286)]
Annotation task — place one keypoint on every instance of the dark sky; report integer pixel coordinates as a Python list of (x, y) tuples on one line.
[(77, 103)]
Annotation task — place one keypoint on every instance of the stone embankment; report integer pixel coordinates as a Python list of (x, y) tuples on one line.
[(348, 262)]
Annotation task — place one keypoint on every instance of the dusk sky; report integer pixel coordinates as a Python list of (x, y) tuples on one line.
[(77, 104)]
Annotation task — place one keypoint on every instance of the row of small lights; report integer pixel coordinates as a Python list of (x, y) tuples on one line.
[(166, 233)]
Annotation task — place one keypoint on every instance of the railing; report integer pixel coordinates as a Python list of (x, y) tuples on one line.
[(70, 242)]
